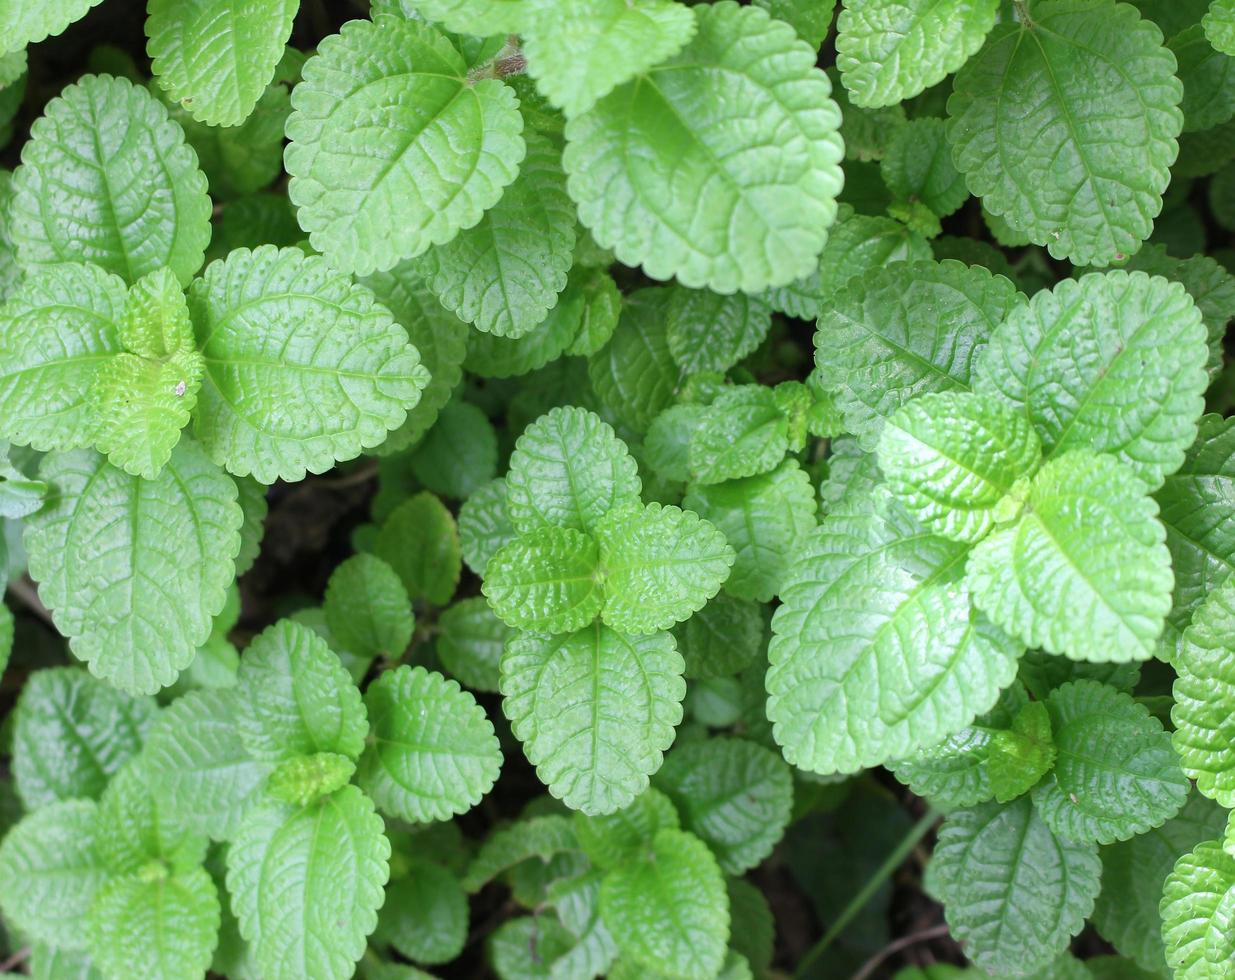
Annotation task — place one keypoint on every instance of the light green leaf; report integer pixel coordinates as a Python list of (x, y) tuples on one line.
[(296, 697), (155, 927), (59, 326), (1113, 362), (1021, 755), (484, 525), (750, 203), (613, 839), (1219, 24), (595, 711), (1081, 175), (1197, 922), (660, 565), (24, 22), (491, 356), (420, 542), (735, 795), (1208, 76), (479, 17), (721, 639), (50, 871), (304, 778), (810, 18), (199, 767), (458, 454), (278, 328), (470, 642), (602, 308), (135, 832), (951, 457), (569, 469), (71, 734), (1115, 774), (106, 178), (634, 375), (952, 773), (7, 625), (764, 518), (1084, 572), (535, 837), (432, 753), (306, 885), (890, 50), (425, 914), (918, 168), (216, 59), (525, 947), (393, 149), (710, 332), (504, 274), (580, 50), (549, 580), (1204, 695), (367, 608), (1013, 893), (20, 496), (135, 570), (253, 503), (904, 331), (743, 433), (669, 907), (875, 650)]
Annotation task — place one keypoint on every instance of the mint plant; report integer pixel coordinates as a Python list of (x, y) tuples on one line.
[(617, 488)]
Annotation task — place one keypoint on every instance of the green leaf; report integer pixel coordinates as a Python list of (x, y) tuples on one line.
[(602, 308), (296, 697), (1208, 78), (536, 837), (306, 885), (393, 149), (199, 767), (420, 542), (50, 871), (1133, 873), (1115, 773), (367, 608), (479, 17), (24, 22), (135, 834), (661, 564), (721, 639), (1020, 756), (634, 375), (7, 625), (277, 327), (20, 496), (504, 274), (918, 166), (155, 927), (524, 948), (71, 734), (432, 753), (890, 51), (59, 326), (1196, 913), (810, 18), (743, 433), (952, 773), (1113, 362), (951, 457), (217, 59), (669, 907), (742, 202), (135, 570), (1084, 572), (458, 454), (484, 525), (569, 469), (579, 51), (710, 332), (304, 778), (1204, 693), (904, 331), (1078, 170), (1013, 893), (1219, 24), (614, 839), (764, 518), (875, 651), (437, 334), (253, 503), (491, 356), (470, 642), (595, 711), (549, 580), (736, 796), (106, 178), (425, 915)]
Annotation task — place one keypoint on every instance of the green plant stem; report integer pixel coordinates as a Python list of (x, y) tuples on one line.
[(858, 902)]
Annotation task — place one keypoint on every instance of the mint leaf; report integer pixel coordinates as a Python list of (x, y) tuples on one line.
[(1013, 892), (710, 332), (661, 564), (918, 170), (304, 778), (595, 711), (484, 524), (457, 455), (1085, 360), (549, 581), (306, 884), (134, 570), (448, 147), (870, 614), (952, 457), (1196, 912), (135, 832), (26, 23), (1219, 24), (1080, 174), (425, 914), (742, 433), (1021, 755), (635, 375), (536, 837), (613, 839), (471, 641), (888, 52), (1208, 78), (775, 212), (1084, 571), (480, 17), (420, 542), (106, 178), (216, 60), (432, 753), (274, 326), (568, 469), (367, 608), (722, 638)]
